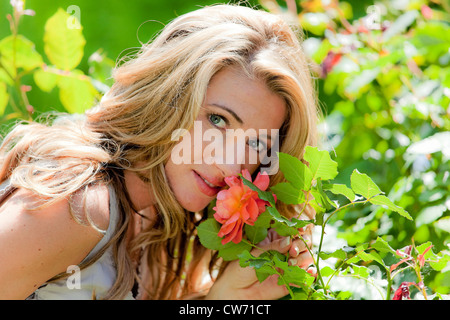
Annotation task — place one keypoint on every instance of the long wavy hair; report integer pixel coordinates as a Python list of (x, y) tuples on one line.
[(155, 92)]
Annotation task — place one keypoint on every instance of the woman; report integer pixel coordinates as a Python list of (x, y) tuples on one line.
[(104, 193)]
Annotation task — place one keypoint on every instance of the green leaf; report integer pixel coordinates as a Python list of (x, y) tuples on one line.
[(339, 254), (362, 184), (382, 246), (101, 67), (295, 171), (370, 256), (288, 194), (278, 217), (76, 92), (263, 264), (231, 250), (326, 201), (361, 271), (320, 163), (255, 234), (439, 261), (4, 97), (45, 80), (326, 271), (19, 52), (207, 233), (301, 223), (284, 230), (340, 189), (443, 224), (321, 199), (384, 201), (264, 220), (63, 45), (246, 259)]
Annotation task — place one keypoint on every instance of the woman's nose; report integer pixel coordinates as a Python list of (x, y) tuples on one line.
[(229, 155)]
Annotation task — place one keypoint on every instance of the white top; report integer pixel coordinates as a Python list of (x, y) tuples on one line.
[(92, 282)]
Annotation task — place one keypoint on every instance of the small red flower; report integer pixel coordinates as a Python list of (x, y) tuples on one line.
[(238, 205), (329, 62), (403, 291)]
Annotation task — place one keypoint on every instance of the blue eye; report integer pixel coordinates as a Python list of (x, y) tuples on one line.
[(217, 120), (256, 144)]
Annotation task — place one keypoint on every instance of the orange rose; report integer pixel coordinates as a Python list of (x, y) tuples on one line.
[(238, 205)]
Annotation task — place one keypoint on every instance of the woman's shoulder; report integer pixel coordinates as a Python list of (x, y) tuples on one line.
[(49, 238)]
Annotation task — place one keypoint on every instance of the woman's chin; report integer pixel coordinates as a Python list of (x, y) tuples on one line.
[(194, 206), (193, 203)]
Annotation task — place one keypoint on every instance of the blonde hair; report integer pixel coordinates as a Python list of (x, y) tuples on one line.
[(160, 90)]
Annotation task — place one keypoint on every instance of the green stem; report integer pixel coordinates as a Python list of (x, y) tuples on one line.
[(319, 275), (422, 285), (345, 206), (389, 285)]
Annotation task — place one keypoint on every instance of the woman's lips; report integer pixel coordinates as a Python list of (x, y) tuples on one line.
[(205, 186)]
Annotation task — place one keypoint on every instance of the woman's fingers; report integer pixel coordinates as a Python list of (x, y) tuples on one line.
[(303, 260), (300, 245), (281, 245)]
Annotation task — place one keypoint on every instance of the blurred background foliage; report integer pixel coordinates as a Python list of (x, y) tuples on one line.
[(383, 73), (382, 70)]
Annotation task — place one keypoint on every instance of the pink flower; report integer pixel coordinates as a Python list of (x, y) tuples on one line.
[(238, 205)]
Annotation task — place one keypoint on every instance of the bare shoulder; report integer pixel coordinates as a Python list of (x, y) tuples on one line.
[(37, 244)]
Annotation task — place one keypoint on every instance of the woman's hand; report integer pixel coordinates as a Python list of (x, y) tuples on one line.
[(241, 283)]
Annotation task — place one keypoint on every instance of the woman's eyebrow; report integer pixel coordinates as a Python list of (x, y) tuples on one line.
[(238, 119)]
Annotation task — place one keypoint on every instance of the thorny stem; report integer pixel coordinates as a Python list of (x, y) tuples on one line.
[(421, 286), (317, 261), (389, 285)]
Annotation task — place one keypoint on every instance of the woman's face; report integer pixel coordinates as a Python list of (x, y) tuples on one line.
[(230, 134)]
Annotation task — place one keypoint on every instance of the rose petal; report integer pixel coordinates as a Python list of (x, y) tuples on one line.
[(261, 205), (252, 209), (262, 181), (246, 174), (238, 232), (232, 181), (222, 195)]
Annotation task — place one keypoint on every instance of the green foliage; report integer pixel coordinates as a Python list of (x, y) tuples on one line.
[(21, 63), (383, 71), (351, 262)]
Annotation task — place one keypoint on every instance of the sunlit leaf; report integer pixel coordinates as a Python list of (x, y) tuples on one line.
[(382, 245), (320, 163), (384, 201), (63, 44), (340, 189), (19, 52), (4, 97), (362, 184), (45, 80), (295, 171), (288, 194), (76, 92)]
